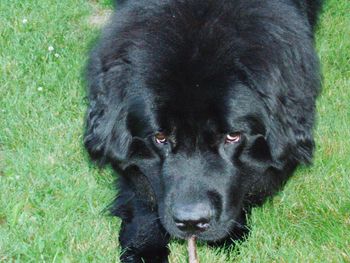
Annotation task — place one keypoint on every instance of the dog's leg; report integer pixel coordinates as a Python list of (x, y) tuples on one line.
[(142, 237)]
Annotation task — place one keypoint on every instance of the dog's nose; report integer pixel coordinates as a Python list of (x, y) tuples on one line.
[(192, 218)]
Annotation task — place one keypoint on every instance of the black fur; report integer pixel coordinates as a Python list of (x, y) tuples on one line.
[(198, 70)]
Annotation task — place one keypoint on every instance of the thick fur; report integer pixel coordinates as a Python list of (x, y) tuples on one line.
[(198, 70)]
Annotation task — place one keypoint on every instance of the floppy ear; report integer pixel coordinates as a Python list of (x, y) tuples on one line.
[(292, 108), (291, 140), (107, 137), (282, 66), (257, 152), (289, 91)]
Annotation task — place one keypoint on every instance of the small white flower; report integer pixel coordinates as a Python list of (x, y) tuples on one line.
[(17, 177), (24, 21), (57, 55), (51, 48), (40, 88)]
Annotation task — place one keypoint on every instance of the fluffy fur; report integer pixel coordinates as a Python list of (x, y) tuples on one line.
[(197, 71)]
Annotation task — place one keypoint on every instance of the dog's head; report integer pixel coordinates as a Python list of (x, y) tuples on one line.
[(205, 154), (212, 147), (203, 116)]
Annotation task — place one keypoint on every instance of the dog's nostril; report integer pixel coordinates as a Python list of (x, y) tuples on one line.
[(180, 224), (192, 225), (202, 225)]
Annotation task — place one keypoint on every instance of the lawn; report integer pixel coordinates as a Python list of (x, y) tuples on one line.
[(52, 197)]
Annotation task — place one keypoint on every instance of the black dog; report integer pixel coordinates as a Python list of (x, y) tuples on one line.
[(205, 109)]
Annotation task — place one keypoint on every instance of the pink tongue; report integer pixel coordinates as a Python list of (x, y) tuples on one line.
[(192, 250)]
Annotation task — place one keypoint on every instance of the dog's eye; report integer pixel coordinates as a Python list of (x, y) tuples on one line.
[(233, 137), (160, 138)]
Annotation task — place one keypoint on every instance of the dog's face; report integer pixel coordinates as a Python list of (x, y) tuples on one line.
[(208, 152)]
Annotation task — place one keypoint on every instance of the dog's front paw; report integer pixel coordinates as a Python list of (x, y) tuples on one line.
[(130, 257), (154, 257)]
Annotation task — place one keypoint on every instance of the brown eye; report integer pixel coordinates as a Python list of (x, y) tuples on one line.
[(233, 137), (160, 138)]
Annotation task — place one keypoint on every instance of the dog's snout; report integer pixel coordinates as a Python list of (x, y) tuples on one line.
[(192, 218)]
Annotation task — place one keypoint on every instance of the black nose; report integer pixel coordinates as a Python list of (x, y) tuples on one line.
[(192, 218)]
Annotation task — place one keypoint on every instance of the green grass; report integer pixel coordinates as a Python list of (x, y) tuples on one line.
[(51, 197)]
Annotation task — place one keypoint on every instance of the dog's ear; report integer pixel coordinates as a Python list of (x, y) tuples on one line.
[(289, 91), (287, 78), (258, 153), (291, 141), (259, 149), (292, 110), (107, 137)]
